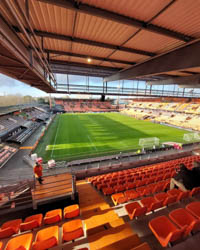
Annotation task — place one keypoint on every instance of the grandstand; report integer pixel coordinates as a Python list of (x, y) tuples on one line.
[(123, 115)]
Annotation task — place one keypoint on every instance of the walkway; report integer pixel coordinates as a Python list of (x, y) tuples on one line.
[(105, 230)]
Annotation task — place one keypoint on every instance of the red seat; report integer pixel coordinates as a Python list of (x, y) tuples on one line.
[(53, 216), (130, 185), (31, 222), (120, 188), (131, 194), (195, 191), (151, 203), (185, 220), (158, 188), (72, 230), (194, 208), (9, 228), (134, 210), (71, 211), (166, 198), (165, 231), (46, 238), (1, 245), (119, 198), (108, 191), (23, 241), (174, 191), (161, 196)]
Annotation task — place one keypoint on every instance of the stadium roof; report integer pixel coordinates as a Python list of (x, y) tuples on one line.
[(125, 39)]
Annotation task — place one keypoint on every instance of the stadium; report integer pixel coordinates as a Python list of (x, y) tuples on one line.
[(108, 156)]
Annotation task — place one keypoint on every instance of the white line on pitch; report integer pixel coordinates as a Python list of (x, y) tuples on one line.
[(92, 143), (55, 137)]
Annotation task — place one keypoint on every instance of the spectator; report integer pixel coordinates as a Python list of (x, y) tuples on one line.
[(184, 179), (38, 172), (196, 174)]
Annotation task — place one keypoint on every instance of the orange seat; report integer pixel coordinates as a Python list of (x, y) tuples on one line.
[(71, 211), (185, 220), (151, 203), (134, 210), (1, 245), (31, 222), (130, 185), (161, 196), (165, 231), (9, 228), (119, 198), (46, 238), (131, 194), (142, 246), (194, 208), (120, 188), (108, 191), (169, 200), (23, 241), (174, 191), (195, 191), (183, 195), (53, 216), (72, 230)]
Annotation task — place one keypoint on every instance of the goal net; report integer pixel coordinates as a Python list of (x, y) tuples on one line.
[(150, 142), (190, 137)]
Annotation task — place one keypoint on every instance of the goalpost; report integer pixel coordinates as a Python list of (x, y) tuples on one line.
[(150, 142)]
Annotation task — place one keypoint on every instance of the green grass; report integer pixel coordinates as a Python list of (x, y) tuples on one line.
[(76, 136)]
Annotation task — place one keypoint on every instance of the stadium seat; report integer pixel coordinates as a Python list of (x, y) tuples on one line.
[(22, 242), (184, 219), (9, 228), (72, 230), (131, 194), (130, 185), (119, 198), (194, 208), (151, 203), (108, 191), (165, 231), (166, 198), (180, 194), (31, 222), (71, 211), (134, 210), (158, 188), (53, 216), (46, 238), (142, 246), (195, 191)]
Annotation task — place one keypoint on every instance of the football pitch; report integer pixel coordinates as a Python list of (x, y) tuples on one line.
[(78, 136)]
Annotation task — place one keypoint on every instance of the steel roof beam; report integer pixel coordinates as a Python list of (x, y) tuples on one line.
[(46, 34), (85, 65), (179, 59), (182, 80), (91, 10), (64, 53)]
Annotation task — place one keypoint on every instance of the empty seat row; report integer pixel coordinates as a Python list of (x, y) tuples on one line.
[(12, 227), (141, 191), (181, 223), (135, 209), (172, 163), (47, 237)]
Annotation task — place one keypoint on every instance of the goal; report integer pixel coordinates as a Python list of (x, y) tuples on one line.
[(150, 142)]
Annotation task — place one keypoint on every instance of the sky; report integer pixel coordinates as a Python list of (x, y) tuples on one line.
[(10, 86)]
